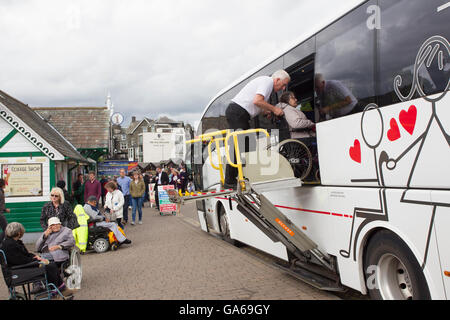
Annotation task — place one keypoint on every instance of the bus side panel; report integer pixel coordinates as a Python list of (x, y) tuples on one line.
[(442, 224), (404, 138), (412, 223)]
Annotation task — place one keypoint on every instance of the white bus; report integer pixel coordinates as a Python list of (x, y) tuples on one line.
[(378, 201)]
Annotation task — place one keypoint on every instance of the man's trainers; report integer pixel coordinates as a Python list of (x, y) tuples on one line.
[(140, 222), (132, 223)]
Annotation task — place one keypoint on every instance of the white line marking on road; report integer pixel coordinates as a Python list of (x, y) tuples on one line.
[(443, 7)]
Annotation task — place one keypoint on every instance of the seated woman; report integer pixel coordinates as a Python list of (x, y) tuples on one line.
[(300, 126), (17, 254), (54, 243), (101, 221)]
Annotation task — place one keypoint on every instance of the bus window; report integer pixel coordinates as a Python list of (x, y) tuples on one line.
[(405, 26), (345, 75), (210, 120)]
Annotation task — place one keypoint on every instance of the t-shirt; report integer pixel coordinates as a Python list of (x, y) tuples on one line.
[(261, 85), (334, 92)]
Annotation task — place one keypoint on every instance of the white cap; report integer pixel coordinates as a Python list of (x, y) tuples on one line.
[(53, 220)]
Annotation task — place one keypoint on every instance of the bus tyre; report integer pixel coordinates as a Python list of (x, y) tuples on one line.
[(225, 226), (391, 270)]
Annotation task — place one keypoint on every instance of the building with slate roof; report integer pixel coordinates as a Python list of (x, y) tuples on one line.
[(87, 128), (33, 157)]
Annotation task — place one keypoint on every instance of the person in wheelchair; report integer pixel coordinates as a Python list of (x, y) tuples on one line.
[(300, 127), (17, 255), (301, 149), (104, 221), (55, 242)]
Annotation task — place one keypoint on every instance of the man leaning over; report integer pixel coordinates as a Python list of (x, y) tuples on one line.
[(250, 102)]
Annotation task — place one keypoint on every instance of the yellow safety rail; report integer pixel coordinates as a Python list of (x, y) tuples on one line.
[(216, 137), (238, 163)]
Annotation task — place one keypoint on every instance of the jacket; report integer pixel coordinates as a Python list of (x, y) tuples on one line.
[(16, 252), (115, 201), (299, 124), (62, 238), (64, 212), (137, 190), (164, 179), (80, 234), (93, 213)]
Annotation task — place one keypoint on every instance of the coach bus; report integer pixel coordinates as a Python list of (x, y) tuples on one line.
[(379, 199)]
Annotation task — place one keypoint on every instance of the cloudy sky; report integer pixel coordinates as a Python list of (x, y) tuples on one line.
[(155, 57)]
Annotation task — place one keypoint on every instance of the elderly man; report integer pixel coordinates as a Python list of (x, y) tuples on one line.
[(250, 102), (336, 99), (101, 221), (55, 241)]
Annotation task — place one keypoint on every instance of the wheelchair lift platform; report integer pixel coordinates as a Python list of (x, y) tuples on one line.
[(308, 262), (273, 223)]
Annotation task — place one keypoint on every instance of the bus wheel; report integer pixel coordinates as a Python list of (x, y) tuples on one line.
[(225, 226), (392, 272)]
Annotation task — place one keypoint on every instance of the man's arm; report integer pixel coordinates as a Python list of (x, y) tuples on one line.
[(265, 106)]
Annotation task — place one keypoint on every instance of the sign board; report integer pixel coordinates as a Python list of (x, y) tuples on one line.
[(22, 180), (112, 168), (165, 206), (157, 146)]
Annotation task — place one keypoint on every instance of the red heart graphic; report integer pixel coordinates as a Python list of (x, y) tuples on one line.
[(393, 133), (355, 151), (408, 119)]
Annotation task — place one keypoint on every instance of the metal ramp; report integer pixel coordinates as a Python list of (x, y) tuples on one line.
[(309, 263)]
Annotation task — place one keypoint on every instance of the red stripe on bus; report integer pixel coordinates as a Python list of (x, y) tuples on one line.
[(306, 210)]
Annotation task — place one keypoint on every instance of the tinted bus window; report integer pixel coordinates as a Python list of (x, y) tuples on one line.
[(210, 120), (405, 26), (345, 65)]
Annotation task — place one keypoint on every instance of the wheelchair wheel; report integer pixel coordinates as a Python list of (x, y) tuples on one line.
[(298, 155), (74, 270), (101, 245), (18, 296)]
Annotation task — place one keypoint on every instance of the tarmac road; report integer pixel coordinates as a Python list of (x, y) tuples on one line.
[(172, 258)]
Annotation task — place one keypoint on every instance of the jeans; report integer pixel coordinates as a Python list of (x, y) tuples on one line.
[(126, 204), (137, 203)]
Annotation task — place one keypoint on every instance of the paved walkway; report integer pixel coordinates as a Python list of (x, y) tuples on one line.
[(171, 258)]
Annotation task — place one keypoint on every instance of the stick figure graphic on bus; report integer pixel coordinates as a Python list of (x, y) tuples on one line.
[(426, 165)]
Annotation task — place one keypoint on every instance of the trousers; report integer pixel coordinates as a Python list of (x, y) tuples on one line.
[(238, 119)]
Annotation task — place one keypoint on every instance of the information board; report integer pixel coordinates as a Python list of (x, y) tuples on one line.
[(165, 206)]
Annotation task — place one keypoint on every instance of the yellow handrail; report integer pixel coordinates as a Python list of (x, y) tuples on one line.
[(238, 164), (219, 157), (212, 137)]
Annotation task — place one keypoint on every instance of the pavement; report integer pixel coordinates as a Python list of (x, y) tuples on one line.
[(172, 258)]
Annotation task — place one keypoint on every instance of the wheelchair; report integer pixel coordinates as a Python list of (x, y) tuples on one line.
[(301, 153), (100, 239), (303, 158), (23, 276)]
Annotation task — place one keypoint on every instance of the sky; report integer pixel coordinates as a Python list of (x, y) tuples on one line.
[(155, 57)]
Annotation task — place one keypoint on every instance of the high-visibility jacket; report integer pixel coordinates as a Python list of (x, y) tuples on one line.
[(81, 233)]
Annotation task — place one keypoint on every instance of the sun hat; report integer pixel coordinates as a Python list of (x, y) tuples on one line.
[(54, 220)]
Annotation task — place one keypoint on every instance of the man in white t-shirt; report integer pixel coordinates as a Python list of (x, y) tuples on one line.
[(336, 99), (250, 102)]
